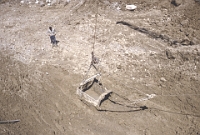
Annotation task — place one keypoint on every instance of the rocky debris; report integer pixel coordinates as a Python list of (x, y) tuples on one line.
[(184, 22), (2, 1), (54, 2), (197, 0), (177, 2), (186, 42), (162, 79), (184, 53), (131, 7), (126, 66), (169, 54), (183, 42), (119, 66), (42, 4), (66, 2)]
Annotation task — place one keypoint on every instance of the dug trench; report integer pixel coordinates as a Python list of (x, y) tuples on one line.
[(139, 56)]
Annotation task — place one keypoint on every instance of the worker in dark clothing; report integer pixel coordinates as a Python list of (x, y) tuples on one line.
[(52, 35)]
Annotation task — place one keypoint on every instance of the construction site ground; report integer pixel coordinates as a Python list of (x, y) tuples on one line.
[(154, 49)]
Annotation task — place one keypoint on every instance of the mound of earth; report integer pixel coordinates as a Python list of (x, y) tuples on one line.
[(149, 58)]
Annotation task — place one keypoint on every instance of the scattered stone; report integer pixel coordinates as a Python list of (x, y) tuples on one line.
[(126, 52), (184, 22), (176, 2), (131, 7), (42, 4), (163, 79), (182, 29), (66, 2), (169, 54), (93, 16), (186, 42), (53, 2), (48, 2), (119, 66), (2, 1)]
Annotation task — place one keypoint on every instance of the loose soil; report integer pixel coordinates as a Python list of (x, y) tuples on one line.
[(154, 49)]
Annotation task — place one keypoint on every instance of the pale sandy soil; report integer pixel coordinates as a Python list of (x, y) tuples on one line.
[(152, 50)]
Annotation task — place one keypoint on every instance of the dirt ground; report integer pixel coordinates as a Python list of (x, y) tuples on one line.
[(154, 49)]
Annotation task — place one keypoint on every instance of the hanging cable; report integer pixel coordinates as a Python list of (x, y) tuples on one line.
[(94, 59), (95, 27)]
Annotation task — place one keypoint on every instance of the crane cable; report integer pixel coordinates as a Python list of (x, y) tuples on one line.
[(95, 27), (94, 60)]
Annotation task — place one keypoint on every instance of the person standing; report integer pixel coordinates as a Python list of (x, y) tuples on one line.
[(52, 35)]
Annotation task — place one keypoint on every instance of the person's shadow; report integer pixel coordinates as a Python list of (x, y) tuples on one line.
[(57, 42)]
